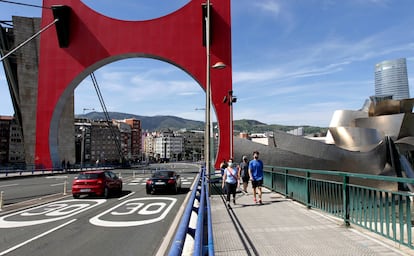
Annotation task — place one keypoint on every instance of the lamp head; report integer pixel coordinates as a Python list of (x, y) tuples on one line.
[(219, 65)]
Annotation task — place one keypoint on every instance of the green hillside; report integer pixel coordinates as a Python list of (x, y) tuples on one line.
[(156, 123)]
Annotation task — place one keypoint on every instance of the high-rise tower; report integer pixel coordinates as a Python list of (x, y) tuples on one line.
[(391, 79)]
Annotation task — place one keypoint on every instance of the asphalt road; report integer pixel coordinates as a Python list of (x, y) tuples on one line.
[(132, 224)]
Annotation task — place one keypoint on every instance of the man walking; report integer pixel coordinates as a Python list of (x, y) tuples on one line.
[(244, 172), (256, 175)]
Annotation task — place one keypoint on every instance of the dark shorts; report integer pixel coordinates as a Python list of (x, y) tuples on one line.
[(245, 179), (257, 183)]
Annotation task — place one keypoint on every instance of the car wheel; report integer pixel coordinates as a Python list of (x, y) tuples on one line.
[(106, 192), (75, 196)]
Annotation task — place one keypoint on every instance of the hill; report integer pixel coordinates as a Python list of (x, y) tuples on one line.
[(150, 123), (154, 123)]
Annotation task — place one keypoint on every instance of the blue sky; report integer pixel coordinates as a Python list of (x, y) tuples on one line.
[(294, 61)]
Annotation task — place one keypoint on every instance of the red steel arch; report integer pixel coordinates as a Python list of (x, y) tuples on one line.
[(96, 40)]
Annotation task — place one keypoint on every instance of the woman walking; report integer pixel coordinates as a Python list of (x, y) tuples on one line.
[(230, 180)]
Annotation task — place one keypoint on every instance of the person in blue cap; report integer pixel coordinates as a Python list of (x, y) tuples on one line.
[(256, 176)]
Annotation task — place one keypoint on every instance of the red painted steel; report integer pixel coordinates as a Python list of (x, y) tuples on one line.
[(96, 40)]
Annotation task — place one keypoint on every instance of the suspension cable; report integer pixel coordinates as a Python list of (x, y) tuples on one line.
[(28, 40), (101, 100), (24, 4)]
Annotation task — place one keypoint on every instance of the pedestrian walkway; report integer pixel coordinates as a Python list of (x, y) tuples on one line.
[(283, 227)]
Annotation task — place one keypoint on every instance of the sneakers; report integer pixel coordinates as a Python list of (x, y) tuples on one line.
[(255, 201), (228, 205)]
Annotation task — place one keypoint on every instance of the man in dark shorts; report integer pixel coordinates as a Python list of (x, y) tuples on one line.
[(256, 176)]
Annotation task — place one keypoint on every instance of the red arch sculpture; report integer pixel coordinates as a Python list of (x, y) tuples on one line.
[(96, 40)]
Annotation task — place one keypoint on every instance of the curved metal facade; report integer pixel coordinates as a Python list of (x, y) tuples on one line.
[(358, 143)]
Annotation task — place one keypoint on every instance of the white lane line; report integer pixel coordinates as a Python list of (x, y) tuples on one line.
[(9, 185), (130, 194), (36, 237), (57, 184), (132, 183)]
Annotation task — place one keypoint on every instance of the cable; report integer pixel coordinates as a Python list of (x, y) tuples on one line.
[(108, 120), (28, 40), (30, 5)]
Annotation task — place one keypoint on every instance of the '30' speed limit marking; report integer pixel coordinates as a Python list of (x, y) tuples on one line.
[(48, 213), (135, 212)]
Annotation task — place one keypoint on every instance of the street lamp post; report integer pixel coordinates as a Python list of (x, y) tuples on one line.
[(218, 65), (82, 146), (208, 99)]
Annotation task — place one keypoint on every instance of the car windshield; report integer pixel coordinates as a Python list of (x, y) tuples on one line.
[(161, 174), (88, 176)]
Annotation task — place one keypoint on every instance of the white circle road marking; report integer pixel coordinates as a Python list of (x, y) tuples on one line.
[(133, 207), (43, 213)]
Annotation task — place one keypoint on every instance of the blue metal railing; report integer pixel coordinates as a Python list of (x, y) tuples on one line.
[(200, 193)]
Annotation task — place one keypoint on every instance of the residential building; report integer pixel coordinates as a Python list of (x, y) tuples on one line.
[(5, 122), (16, 144), (168, 146), (136, 138), (149, 146), (83, 140), (193, 145), (125, 138), (11, 141)]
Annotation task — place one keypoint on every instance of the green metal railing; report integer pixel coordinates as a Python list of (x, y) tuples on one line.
[(369, 201)]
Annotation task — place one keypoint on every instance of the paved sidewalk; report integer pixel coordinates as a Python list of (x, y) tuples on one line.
[(283, 227)]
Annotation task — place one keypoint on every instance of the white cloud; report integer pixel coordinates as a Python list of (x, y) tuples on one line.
[(269, 6)]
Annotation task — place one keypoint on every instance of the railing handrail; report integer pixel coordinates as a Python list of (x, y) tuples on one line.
[(382, 210), (179, 239), (203, 220), (347, 174)]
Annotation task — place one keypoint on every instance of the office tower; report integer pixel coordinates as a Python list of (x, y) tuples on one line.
[(391, 79)]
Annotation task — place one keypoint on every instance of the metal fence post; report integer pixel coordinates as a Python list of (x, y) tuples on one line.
[(308, 191), (345, 196), (286, 183)]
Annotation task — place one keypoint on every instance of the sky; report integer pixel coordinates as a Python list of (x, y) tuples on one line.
[(294, 61)]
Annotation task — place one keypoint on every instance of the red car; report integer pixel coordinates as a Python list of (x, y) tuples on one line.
[(99, 183)]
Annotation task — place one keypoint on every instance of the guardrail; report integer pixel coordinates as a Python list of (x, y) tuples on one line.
[(190, 237), (47, 171), (369, 201), (24, 172)]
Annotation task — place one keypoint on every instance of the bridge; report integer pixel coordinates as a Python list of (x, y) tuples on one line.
[(304, 212), (308, 212)]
